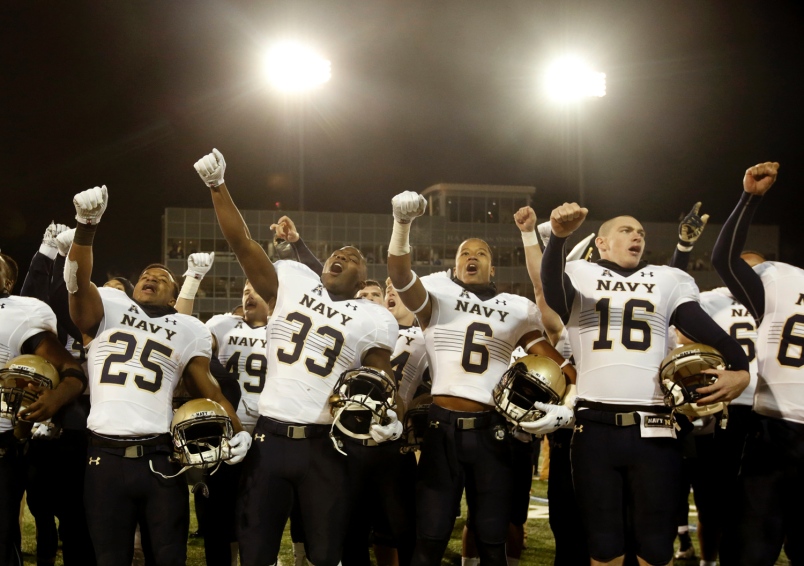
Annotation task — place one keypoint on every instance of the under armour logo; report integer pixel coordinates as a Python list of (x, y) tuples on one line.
[(559, 421), (319, 290), (260, 437), (351, 306), (499, 302), (649, 273), (465, 294), (134, 309), (2, 305), (167, 320), (578, 428), (95, 461)]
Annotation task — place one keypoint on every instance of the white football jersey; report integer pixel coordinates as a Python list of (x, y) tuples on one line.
[(618, 329), (21, 318), (780, 344), (409, 361), (470, 341), (563, 346), (735, 319), (241, 350), (135, 363), (312, 340)]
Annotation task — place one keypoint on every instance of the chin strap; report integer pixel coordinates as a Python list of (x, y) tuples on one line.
[(332, 436), (185, 468)]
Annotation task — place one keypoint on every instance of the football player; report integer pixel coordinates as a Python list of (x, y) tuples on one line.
[(27, 326), (713, 470), (770, 493), (372, 292), (140, 350), (317, 331), (470, 332), (617, 311)]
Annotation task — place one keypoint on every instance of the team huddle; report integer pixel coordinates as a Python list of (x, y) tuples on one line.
[(364, 412)]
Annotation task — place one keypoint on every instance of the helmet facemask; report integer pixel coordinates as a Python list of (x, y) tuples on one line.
[(15, 378), (681, 376), (529, 380), (361, 398)]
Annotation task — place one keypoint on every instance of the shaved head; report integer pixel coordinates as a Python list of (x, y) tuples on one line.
[(609, 225)]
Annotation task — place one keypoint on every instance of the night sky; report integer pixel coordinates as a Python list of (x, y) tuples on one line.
[(131, 93)]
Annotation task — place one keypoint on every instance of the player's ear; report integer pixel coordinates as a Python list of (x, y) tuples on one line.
[(172, 303), (600, 242), (491, 271)]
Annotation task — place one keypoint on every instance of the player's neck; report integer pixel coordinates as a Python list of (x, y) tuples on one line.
[(484, 291), (617, 268)]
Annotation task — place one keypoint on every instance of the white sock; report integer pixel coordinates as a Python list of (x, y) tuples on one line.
[(470, 561), (298, 554), (683, 530)]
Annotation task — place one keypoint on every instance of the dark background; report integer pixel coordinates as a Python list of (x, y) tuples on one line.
[(131, 93)]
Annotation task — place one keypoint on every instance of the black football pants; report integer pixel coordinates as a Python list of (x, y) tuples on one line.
[(12, 481)]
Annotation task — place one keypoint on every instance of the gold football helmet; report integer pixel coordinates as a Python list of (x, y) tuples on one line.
[(680, 377), (362, 397), (530, 379), (15, 377), (201, 431)]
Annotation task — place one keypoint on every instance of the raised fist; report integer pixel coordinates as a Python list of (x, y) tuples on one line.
[(407, 206), (286, 229), (65, 240), (525, 219), (53, 230), (759, 178), (567, 218), (692, 226), (90, 205), (211, 167), (199, 264)]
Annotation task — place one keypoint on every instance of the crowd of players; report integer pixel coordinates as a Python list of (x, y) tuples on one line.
[(293, 375)]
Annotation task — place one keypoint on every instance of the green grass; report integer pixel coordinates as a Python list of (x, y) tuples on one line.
[(538, 551)]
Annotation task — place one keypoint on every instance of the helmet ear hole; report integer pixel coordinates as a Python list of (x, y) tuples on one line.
[(529, 380)]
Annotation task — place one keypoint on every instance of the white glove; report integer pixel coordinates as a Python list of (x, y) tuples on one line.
[(238, 447), (49, 247), (407, 206), (90, 205), (42, 431), (555, 417), (199, 264), (65, 240), (211, 167), (544, 229), (391, 431)]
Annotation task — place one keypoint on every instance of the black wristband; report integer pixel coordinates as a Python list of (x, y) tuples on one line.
[(73, 372), (84, 234)]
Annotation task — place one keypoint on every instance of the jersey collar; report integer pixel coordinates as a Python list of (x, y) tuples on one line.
[(616, 268), (156, 311), (483, 292)]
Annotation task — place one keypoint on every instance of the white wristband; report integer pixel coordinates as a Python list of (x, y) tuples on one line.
[(534, 342), (410, 284), (684, 248), (189, 288), (400, 239), (530, 238), (424, 304), (48, 251)]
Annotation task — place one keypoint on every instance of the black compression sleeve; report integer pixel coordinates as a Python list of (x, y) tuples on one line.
[(742, 281), (306, 257), (37, 281), (681, 260), (698, 326), (558, 290)]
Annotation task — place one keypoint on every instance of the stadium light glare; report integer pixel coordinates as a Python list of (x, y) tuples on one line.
[(293, 67), (570, 78)]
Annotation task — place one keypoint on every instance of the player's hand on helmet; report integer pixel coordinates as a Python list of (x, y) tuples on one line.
[(198, 264), (555, 416), (46, 405), (692, 226), (211, 167), (727, 387), (390, 431), (567, 218), (525, 219), (286, 229), (91, 204), (407, 206), (65, 240), (759, 178), (238, 447)]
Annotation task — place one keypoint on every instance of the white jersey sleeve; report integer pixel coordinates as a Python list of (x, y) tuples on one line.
[(618, 329), (409, 362), (735, 319), (312, 340), (241, 351), (21, 318), (469, 341), (135, 363), (780, 343)]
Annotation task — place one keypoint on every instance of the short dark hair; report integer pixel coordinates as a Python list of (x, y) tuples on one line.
[(13, 268), (164, 267), (373, 283), (128, 286)]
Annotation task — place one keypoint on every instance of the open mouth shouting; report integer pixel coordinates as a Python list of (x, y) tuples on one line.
[(149, 287), (336, 268)]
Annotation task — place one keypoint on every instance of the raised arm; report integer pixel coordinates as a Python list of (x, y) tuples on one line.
[(525, 219), (742, 281), (559, 293), (690, 229), (253, 259), (198, 265), (286, 229), (406, 207), (86, 306)]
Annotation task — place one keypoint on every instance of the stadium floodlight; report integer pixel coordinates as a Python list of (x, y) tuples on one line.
[(293, 67), (570, 78)]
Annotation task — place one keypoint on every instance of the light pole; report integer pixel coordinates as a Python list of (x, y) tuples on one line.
[(293, 68), (569, 81)]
